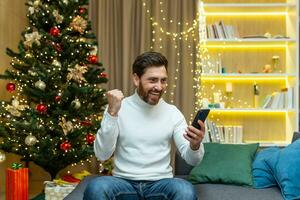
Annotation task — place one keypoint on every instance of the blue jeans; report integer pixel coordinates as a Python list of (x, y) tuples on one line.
[(113, 188)]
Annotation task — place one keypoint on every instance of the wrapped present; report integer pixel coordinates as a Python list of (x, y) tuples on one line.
[(58, 191), (17, 182), (61, 187)]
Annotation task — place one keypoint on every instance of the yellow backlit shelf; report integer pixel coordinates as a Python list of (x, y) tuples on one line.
[(245, 9), (246, 23), (250, 110), (236, 77), (249, 43)]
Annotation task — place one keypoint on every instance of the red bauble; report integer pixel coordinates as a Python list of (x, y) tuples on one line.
[(90, 138), (65, 146), (92, 59), (54, 31), (10, 87), (57, 98), (41, 108), (103, 75), (82, 10), (86, 123)]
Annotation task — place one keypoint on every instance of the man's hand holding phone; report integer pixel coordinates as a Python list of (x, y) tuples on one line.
[(195, 133)]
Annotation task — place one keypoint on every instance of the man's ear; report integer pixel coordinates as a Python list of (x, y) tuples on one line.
[(136, 80)]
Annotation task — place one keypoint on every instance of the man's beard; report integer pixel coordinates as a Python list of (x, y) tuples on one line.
[(145, 95)]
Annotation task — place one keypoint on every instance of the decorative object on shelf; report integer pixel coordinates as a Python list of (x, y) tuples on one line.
[(267, 68), (217, 97), (17, 182), (256, 95), (2, 156), (228, 94), (30, 140), (275, 63)]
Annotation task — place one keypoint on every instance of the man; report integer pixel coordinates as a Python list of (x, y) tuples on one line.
[(139, 130)]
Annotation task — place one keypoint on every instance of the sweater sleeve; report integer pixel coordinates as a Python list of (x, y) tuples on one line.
[(106, 137), (190, 156)]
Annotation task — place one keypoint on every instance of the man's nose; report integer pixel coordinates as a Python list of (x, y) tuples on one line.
[(158, 86)]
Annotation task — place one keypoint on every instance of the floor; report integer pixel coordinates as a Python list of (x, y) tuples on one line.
[(35, 187)]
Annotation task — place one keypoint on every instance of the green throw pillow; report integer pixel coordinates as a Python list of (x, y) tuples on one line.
[(225, 163)]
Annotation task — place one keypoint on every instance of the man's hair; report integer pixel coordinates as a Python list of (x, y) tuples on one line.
[(148, 59)]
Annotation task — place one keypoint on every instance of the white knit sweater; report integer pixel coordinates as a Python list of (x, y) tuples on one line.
[(140, 138)]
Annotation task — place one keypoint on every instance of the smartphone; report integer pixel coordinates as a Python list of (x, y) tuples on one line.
[(201, 115)]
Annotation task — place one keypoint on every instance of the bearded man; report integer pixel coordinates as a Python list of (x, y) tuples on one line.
[(139, 131)]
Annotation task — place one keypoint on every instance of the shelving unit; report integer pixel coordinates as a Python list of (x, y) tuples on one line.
[(246, 61)]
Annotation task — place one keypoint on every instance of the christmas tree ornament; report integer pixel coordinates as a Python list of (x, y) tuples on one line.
[(41, 108), (76, 104), (92, 59), (30, 140), (31, 38), (103, 75), (65, 146), (32, 73), (57, 98), (59, 18), (10, 87), (82, 10), (56, 63), (67, 126), (77, 73), (40, 85), (94, 50), (54, 31), (58, 47), (15, 108), (86, 123), (2, 157), (79, 24), (28, 55), (90, 138)]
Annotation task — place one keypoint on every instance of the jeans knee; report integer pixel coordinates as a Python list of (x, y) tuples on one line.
[(95, 187), (185, 190)]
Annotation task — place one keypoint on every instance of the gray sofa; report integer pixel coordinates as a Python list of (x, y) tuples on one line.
[(205, 191)]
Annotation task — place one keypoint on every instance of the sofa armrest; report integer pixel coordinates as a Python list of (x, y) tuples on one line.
[(181, 167)]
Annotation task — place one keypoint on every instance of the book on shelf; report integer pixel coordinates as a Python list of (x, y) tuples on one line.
[(223, 134), (219, 30), (280, 100)]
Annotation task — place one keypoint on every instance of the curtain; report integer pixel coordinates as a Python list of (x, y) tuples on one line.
[(125, 29)]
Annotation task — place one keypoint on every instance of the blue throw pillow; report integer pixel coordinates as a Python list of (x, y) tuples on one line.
[(285, 166), (262, 174)]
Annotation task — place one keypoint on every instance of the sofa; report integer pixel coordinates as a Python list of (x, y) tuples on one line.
[(205, 191)]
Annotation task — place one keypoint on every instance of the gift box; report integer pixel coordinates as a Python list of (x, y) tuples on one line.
[(17, 183), (54, 191)]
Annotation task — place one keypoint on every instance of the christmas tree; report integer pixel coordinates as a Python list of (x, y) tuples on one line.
[(57, 90)]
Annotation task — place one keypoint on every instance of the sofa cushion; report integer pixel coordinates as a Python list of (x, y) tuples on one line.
[(233, 192), (285, 166), (262, 174), (225, 163)]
